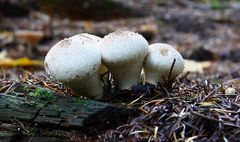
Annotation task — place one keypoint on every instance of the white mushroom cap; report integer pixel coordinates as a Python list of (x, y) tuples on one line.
[(92, 37), (123, 53), (158, 63), (75, 61), (96, 39)]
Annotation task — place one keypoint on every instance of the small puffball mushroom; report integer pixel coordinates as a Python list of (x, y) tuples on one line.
[(30, 38), (158, 63), (123, 53), (75, 61)]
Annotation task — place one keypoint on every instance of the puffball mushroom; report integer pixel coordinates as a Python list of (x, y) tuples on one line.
[(158, 63), (96, 39), (123, 53), (75, 61)]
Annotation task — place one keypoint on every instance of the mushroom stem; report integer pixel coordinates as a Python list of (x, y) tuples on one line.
[(126, 77), (82, 86), (151, 78)]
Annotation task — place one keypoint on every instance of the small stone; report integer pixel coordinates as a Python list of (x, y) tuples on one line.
[(230, 91)]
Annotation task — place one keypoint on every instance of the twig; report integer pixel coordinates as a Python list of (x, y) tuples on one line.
[(170, 73), (136, 100), (23, 127)]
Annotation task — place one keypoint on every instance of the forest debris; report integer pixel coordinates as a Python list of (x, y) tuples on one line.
[(194, 113), (230, 91), (203, 54), (188, 115), (28, 36), (83, 9), (233, 83), (207, 104), (6, 37), (146, 26), (194, 66)]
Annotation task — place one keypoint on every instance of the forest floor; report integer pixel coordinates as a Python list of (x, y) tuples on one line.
[(203, 104)]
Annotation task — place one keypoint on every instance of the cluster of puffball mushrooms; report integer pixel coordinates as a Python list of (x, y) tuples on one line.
[(78, 61)]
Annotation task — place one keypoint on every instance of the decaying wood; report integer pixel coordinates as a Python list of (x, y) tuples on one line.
[(31, 114)]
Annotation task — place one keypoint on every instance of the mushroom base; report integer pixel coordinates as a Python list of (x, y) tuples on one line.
[(90, 86), (126, 75), (154, 77)]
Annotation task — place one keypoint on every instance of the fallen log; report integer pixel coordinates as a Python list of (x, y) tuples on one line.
[(41, 111)]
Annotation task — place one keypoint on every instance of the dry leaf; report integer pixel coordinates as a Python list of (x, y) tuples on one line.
[(21, 62), (194, 66)]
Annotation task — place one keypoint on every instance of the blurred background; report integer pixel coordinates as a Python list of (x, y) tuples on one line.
[(206, 32)]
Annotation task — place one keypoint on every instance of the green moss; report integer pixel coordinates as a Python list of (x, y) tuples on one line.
[(218, 4), (27, 88), (43, 94), (215, 4), (36, 104), (57, 107)]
